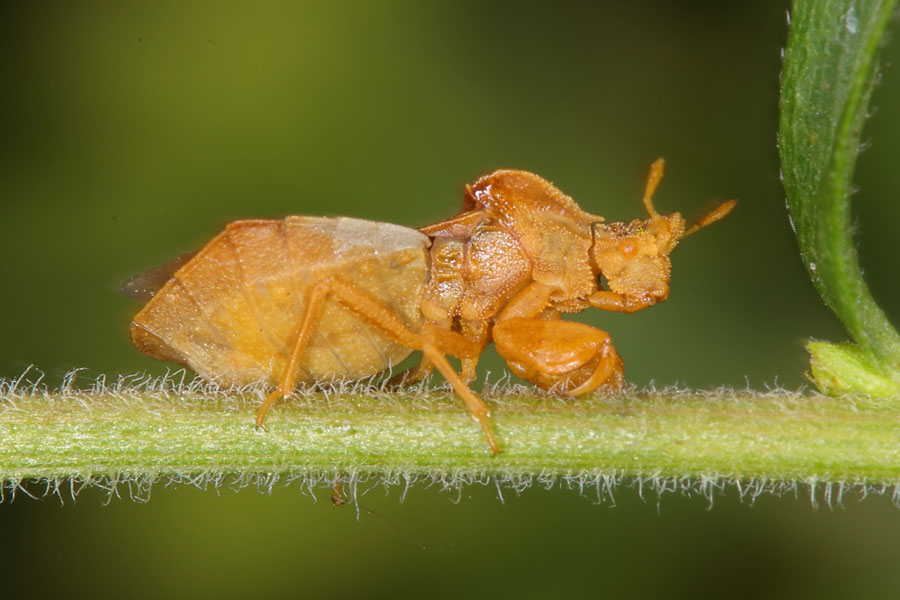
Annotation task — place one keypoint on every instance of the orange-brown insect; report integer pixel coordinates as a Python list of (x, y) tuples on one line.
[(306, 298)]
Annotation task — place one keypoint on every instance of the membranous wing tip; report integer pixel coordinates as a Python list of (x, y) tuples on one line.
[(145, 285)]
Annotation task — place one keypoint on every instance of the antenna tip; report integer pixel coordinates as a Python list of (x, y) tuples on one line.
[(711, 217)]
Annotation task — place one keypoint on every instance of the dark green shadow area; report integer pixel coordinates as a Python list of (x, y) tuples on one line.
[(536, 544)]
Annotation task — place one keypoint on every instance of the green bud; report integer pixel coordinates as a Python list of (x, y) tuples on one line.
[(845, 369)]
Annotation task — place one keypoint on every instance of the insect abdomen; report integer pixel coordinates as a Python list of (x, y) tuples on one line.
[(232, 312)]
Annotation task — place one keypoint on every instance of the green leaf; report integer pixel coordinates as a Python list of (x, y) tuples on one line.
[(830, 66)]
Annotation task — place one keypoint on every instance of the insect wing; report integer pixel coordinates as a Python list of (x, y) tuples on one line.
[(145, 285)]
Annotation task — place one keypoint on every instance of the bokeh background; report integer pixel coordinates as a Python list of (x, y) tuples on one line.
[(132, 132)]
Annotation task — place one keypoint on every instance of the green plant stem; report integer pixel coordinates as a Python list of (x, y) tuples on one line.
[(830, 66), (730, 435)]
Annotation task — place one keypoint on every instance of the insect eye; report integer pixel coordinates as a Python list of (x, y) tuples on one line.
[(627, 248)]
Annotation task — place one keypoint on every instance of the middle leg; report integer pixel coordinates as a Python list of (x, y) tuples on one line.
[(433, 341)]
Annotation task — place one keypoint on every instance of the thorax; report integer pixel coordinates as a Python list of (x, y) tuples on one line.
[(472, 278)]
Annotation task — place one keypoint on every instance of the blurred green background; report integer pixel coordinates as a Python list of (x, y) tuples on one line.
[(132, 132)]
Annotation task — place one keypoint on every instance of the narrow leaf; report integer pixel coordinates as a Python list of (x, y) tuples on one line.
[(830, 66)]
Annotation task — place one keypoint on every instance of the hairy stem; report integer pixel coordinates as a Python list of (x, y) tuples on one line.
[(723, 434)]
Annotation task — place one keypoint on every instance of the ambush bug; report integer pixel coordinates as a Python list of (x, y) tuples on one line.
[(301, 299)]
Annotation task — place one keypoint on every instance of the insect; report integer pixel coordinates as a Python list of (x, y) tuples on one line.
[(300, 299)]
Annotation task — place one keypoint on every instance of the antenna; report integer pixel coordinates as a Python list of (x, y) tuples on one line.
[(656, 173), (711, 217)]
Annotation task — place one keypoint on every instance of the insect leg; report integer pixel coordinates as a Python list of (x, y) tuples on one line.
[(288, 378), (433, 341), (477, 331), (528, 303), (474, 330), (416, 374), (572, 358), (611, 301), (478, 409), (412, 375), (609, 371)]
